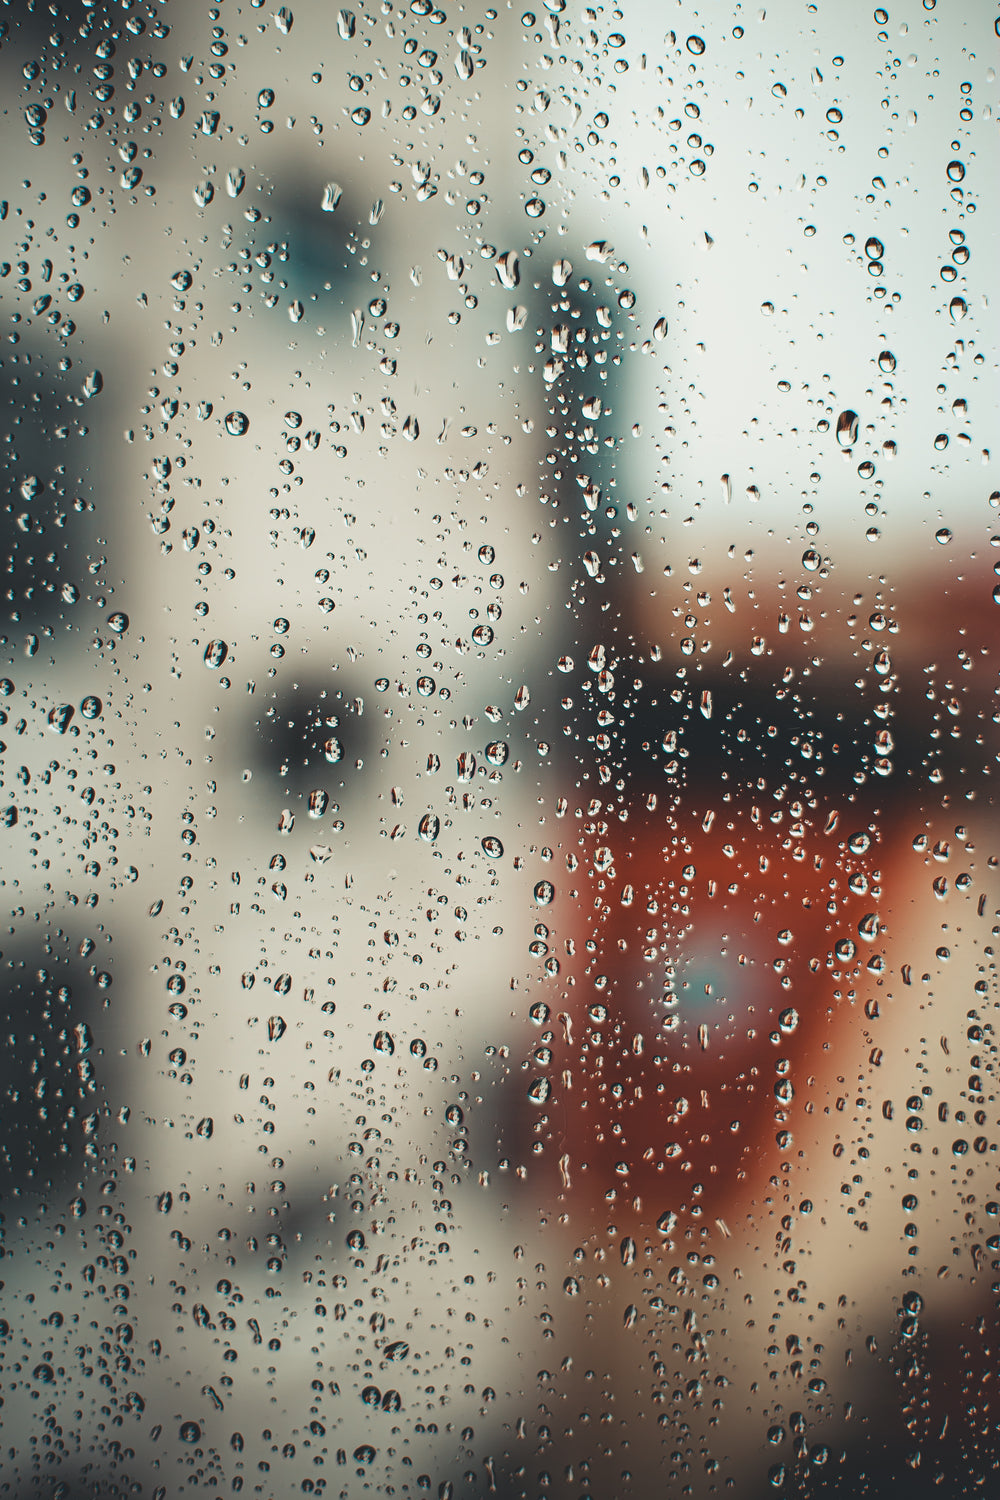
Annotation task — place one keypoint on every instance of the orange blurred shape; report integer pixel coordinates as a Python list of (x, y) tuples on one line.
[(719, 957)]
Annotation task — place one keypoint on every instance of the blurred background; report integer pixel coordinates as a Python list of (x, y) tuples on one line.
[(501, 551)]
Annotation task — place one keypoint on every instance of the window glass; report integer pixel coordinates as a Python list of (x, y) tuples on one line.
[(501, 555)]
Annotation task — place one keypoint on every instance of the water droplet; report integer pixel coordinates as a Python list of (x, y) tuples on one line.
[(534, 208), (508, 270), (276, 1028), (190, 1432), (544, 893), (215, 654), (345, 24), (847, 429), (237, 423), (93, 385), (429, 827), (118, 622), (396, 1351), (332, 195), (91, 707), (59, 718), (695, 45), (465, 766), (887, 362), (236, 180), (492, 847), (540, 1091), (956, 171), (958, 307)]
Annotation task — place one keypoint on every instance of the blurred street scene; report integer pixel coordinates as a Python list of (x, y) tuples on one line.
[(499, 719)]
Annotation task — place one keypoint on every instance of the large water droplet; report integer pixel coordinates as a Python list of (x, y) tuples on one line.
[(429, 827), (215, 654), (847, 429), (508, 270)]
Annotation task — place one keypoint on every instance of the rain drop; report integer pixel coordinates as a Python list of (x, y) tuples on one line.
[(847, 429)]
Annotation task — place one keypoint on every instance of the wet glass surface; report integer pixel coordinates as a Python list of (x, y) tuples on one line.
[(499, 730)]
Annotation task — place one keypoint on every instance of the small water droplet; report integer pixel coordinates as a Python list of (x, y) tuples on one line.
[(237, 423)]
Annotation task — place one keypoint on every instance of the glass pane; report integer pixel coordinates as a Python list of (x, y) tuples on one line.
[(499, 733)]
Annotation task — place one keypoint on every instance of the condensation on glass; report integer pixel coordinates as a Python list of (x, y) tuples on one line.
[(498, 697)]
